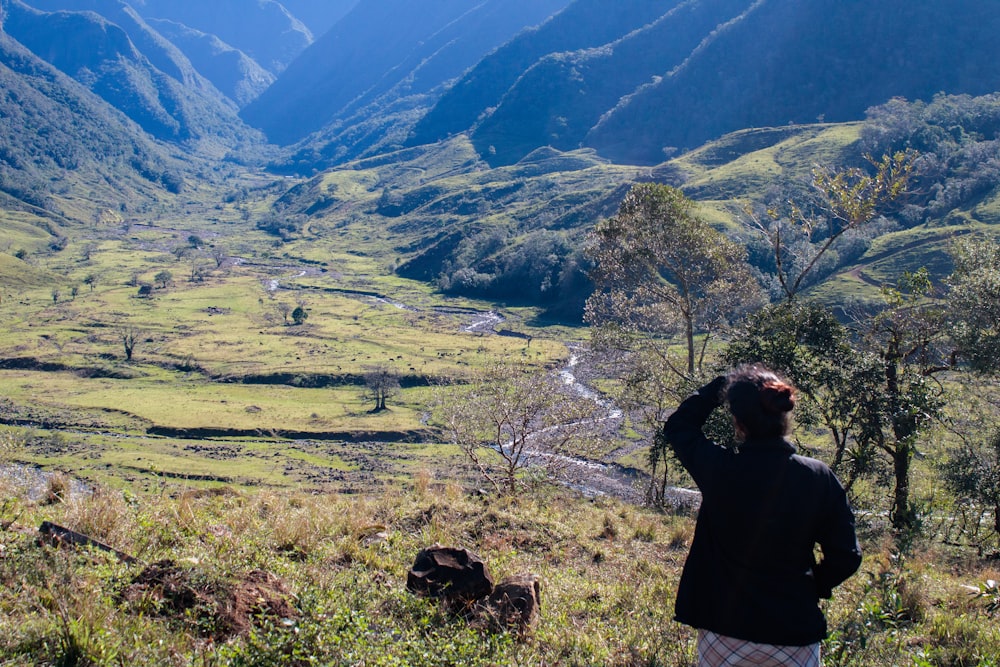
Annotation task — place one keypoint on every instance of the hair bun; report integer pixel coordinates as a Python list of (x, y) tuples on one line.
[(777, 397)]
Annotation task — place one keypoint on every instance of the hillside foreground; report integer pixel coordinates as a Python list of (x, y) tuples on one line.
[(328, 575)]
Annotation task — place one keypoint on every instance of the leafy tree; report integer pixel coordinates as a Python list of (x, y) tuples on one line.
[(163, 279), (513, 418), (299, 315), (972, 473), (908, 338), (800, 238), (660, 271), (974, 303), (90, 281), (382, 383), (809, 345)]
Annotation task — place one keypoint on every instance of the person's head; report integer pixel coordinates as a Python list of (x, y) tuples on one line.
[(760, 402)]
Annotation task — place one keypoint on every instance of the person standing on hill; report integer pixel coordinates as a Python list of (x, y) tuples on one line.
[(751, 584)]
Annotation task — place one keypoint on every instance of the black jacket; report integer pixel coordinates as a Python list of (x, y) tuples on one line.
[(751, 573)]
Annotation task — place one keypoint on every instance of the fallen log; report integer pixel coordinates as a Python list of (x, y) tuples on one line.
[(56, 533)]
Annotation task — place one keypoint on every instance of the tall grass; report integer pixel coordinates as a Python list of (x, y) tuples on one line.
[(608, 573)]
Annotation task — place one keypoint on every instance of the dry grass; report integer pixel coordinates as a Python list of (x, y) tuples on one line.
[(608, 575)]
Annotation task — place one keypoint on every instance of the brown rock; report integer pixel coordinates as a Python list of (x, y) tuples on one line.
[(456, 575), (515, 603)]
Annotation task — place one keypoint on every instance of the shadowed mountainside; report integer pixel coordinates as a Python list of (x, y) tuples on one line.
[(790, 61), (264, 30), (234, 73), (384, 51)]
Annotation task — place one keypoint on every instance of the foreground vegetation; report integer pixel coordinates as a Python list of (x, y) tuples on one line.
[(329, 575)]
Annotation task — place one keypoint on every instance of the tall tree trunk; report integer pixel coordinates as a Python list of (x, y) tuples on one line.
[(902, 514), (902, 433), (689, 331)]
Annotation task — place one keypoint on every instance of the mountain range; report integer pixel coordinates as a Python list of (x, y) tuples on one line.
[(146, 93), (636, 80)]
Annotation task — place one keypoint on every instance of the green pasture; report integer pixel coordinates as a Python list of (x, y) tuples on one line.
[(744, 164), (154, 464), (62, 319)]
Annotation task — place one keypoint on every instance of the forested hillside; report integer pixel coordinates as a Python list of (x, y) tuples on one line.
[(128, 64), (54, 128), (953, 190)]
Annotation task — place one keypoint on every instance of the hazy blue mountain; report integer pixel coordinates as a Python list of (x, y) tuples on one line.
[(234, 73), (556, 101), (163, 55), (319, 16), (792, 61), (263, 29), (114, 52), (581, 25), (383, 51)]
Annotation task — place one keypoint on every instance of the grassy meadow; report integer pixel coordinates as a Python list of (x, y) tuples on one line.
[(335, 591), (236, 441)]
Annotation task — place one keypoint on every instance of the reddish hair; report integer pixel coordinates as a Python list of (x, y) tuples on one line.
[(760, 401)]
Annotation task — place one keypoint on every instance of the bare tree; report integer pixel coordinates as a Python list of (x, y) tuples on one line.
[(285, 310), (220, 255), (514, 418), (847, 200), (129, 335)]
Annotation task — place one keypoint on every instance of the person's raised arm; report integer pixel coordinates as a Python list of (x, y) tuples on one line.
[(683, 428)]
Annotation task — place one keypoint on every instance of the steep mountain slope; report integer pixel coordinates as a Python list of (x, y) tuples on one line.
[(263, 29), (135, 68), (319, 16), (558, 99), (581, 25), (58, 135), (163, 55), (385, 50), (234, 73), (792, 61)]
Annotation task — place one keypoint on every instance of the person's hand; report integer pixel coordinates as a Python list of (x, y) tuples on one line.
[(714, 389)]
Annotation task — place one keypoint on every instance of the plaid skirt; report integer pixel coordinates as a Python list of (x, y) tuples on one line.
[(716, 650)]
